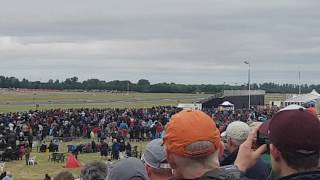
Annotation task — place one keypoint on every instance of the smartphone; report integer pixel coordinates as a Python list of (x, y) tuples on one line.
[(262, 139)]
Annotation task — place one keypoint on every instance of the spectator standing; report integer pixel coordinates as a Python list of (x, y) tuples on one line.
[(159, 129), (237, 132), (122, 149), (27, 154), (193, 147), (93, 146), (30, 140), (155, 160), (115, 149), (294, 146), (128, 149), (12, 140), (104, 149)]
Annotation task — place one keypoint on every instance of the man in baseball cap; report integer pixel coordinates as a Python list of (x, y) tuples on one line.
[(193, 145), (236, 133), (127, 169), (294, 137), (155, 161)]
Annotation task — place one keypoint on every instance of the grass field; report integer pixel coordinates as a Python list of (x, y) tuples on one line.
[(21, 171), (13, 101)]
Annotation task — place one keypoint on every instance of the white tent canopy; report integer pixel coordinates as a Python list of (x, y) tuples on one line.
[(228, 106), (292, 107), (227, 103), (304, 98)]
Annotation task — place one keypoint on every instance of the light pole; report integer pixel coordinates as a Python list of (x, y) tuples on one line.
[(249, 90)]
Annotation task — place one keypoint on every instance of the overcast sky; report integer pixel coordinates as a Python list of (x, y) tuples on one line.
[(182, 41)]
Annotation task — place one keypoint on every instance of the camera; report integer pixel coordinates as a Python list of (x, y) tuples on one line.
[(262, 139)]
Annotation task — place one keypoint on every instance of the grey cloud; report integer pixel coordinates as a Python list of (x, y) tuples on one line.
[(187, 41)]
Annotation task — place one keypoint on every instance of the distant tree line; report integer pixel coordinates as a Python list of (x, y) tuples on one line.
[(143, 85)]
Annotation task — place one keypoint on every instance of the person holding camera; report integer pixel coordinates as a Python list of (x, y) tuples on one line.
[(236, 133), (294, 145)]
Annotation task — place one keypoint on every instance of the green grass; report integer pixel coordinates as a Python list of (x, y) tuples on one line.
[(21, 171), (11, 101)]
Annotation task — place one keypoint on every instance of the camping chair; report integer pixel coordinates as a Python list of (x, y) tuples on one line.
[(32, 160), (59, 157), (135, 152), (1, 155), (2, 165), (52, 157)]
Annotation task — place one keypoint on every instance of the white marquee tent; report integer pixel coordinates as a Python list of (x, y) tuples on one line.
[(302, 99), (227, 106)]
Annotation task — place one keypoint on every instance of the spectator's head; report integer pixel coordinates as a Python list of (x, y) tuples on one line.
[(155, 161), (95, 170), (312, 110), (127, 169), (192, 144), (9, 174), (65, 175), (295, 141), (47, 177), (235, 134)]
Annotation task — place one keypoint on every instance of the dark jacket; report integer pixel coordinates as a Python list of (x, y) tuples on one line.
[(311, 175), (228, 173), (259, 171), (224, 174)]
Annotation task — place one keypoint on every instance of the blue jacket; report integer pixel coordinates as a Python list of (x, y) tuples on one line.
[(259, 171)]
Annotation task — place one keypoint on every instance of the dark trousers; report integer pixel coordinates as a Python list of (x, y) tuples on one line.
[(27, 158)]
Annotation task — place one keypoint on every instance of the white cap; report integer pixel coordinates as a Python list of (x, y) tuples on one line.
[(238, 131), (292, 107)]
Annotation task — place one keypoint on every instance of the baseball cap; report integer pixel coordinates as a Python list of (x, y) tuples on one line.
[(292, 107), (126, 169), (237, 130), (294, 129), (188, 127), (154, 155)]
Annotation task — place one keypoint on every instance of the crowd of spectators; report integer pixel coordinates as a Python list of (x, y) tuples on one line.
[(188, 144), (19, 131)]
